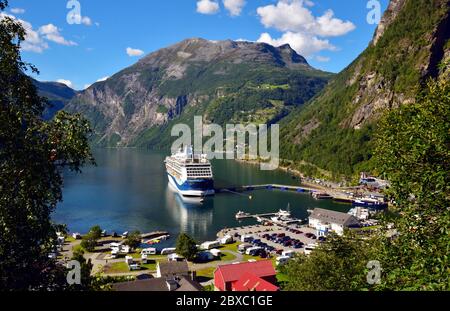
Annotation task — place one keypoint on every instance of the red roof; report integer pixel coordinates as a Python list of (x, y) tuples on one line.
[(231, 273), (250, 282)]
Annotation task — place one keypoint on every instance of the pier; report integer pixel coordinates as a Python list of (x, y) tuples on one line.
[(265, 187), (335, 195), (257, 215), (153, 235)]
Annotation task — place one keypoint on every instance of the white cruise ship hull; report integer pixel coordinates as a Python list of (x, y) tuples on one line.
[(193, 188)]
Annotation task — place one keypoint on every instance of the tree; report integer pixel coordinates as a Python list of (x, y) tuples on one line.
[(337, 264), (86, 269), (413, 153), (133, 240), (33, 153), (186, 246), (90, 240), (96, 232)]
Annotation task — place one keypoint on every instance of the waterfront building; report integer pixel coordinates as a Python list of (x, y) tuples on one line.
[(325, 221)]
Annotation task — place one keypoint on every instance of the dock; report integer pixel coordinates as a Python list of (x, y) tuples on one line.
[(153, 235), (265, 187), (257, 215), (334, 195)]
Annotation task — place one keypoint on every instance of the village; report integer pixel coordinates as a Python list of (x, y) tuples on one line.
[(244, 258)]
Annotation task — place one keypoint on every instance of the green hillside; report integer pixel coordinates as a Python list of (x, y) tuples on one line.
[(334, 131)]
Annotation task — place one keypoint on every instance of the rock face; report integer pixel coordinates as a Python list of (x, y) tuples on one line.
[(408, 47), (191, 75), (389, 16)]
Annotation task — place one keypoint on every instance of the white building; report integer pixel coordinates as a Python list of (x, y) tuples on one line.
[(325, 221)]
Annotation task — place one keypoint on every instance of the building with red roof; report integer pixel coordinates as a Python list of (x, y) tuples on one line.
[(227, 276), (251, 283)]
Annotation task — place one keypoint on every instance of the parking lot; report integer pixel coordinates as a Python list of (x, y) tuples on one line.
[(278, 237)]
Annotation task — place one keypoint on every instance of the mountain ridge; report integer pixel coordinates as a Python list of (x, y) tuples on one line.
[(216, 79)]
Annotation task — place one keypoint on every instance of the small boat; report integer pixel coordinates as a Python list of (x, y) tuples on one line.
[(370, 203), (241, 215), (285, 213), (321, 196)]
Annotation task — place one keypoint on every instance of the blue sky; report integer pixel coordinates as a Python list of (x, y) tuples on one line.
[(97, 47)]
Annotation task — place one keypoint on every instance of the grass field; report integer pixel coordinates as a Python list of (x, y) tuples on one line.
[(205, 274)]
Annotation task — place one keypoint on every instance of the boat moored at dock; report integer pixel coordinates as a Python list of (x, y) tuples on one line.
[(190, 174), (370, 203)]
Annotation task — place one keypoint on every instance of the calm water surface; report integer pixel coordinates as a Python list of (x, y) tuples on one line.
[(128, 190)]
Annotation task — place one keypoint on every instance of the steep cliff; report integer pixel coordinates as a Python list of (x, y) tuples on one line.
[(334, 131)]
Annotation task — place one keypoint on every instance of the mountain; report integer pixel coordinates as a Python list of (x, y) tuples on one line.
[(224, 81), (332, 134), (58, 95)]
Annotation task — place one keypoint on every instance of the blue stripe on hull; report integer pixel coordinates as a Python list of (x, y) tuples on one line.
[(198, 187)]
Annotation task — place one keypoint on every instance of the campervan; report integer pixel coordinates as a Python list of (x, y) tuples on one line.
[(167, 251), (148, 251), (210, 245), (282, 260), (253, 251)]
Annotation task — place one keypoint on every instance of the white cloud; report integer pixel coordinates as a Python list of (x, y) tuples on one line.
[(329, 26), (322, 59), (304, 44), (86, 20), (234, 6), (17, 11), (51, 33), (207, 7), (134, 52), (99, 80), (305, 32), (103, 79), (292, 15), (36, 40), (33, 41), (66, 82)]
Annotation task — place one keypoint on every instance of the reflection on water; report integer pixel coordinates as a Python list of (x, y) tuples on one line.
[(128, 190), (194, 215)]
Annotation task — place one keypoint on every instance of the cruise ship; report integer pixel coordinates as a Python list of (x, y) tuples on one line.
[(190, 174)]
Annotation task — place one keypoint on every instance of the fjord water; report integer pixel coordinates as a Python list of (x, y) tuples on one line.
[(129, 190)]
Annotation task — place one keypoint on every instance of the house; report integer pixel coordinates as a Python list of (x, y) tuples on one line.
[(172, 269), (183, 284), (251, 283), (325, 221), (226, 276)]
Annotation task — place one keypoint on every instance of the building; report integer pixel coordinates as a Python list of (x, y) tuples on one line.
[(183, 284), (234, 276), (325, 221), (172, 269), (251, 283)]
